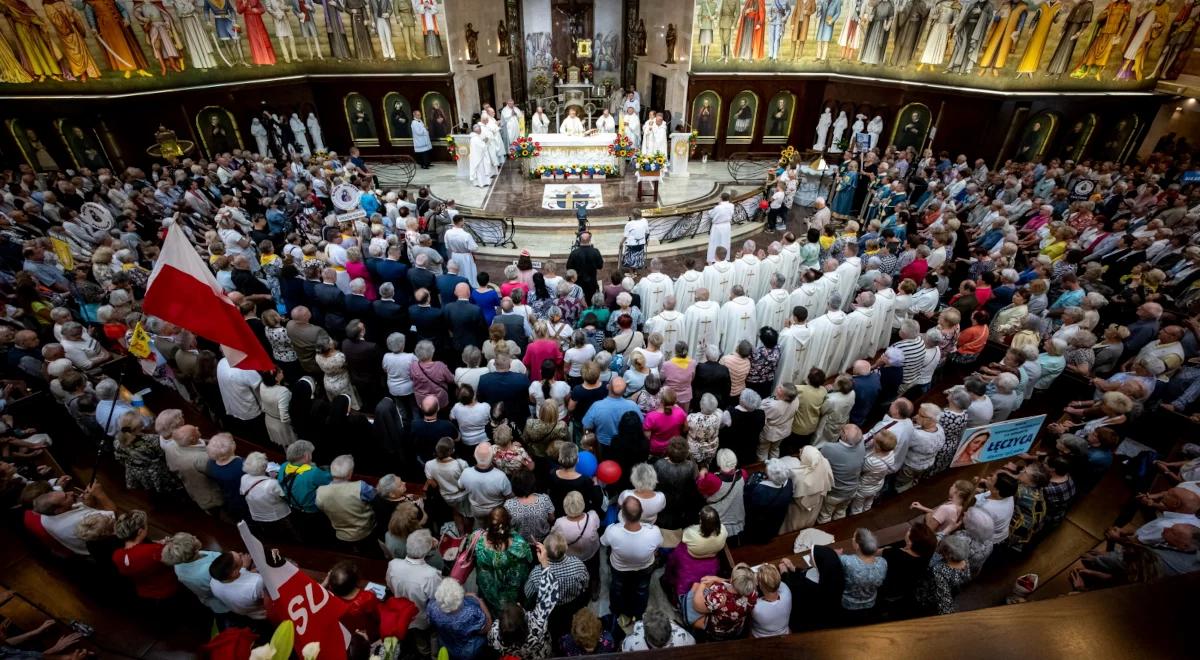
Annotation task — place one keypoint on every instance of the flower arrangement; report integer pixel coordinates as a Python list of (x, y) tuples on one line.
[(622, 147), (786, 156), (451, 148), (524, 147), (560, 71), (652, 163), (567, 171), (586, 68), (693, 138), (539, 85)]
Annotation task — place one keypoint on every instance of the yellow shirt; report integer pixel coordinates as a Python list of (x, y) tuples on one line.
[(804, 422)]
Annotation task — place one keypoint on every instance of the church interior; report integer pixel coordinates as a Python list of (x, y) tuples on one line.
[(629, 121)]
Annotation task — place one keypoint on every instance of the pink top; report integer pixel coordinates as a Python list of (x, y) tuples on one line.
[(539, 351), (946, 514), (507, 288), (679, 379), (431, 378), (357, 269), (662, 427)]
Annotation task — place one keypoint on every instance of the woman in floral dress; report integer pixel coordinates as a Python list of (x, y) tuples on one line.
[(143, 458), (271, 265), (337, 379), (502, 561), (703, 429), (282, 350)]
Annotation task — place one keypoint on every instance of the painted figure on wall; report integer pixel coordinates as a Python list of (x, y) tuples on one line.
[(216, 131), (362, 120), (195, 34), (1003, 36), (801, 23), (437, 116), (39, 54), (941, 18), (1078, 19), (671, 38), (1038, 133), (281, 21), (306, 14), (339, 46), (11, 69), (741, 119), (1179, 40), (910, 20), (851, 37), (779, 121), (1031, 61), (912, 127), (360, 18), (828, 12), (706, 111), (1074, 142), (727, 19), (751, 34), (406, 26), (1116, 142), (1110, 25), (398, 116), (1146, 29), (162, 34), (225, 27), (428, 11), (969, 31), (778, 12), (380, 11), (36, 151), (878, 30), (68, 25), (706, 21), (83, 145), (261, 50)]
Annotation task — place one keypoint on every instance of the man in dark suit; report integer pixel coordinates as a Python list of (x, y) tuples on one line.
[(507, 387), (357, 305), (427, 319), (393, 270), (465, 321), (586, 261), (449, 281), (514, 323), (1123, 263), (364, 362), (390, 316), (332, 303), (420, 277), (711, 377)]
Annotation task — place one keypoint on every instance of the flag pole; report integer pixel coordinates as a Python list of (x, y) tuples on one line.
[(112, 409)]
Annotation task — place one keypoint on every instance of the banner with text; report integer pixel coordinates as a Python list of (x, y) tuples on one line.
[(996, 441)]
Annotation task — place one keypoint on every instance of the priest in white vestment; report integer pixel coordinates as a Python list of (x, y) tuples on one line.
[(461, 247), (540, 123), (861, 331), (654, 140), (718, 277), (480, 163), (771, 264), (885, 309), (668, 323), (826, 286), (848, 272), (738, 320), (605, 123), (748, 272), (806, 296), (773, 309), (632, 127), (720, 220), (700, 324), (794, 357), (828, 336), (512, 120), (686, 286), (653, 289), (571, 125), (789, 256), (491, 127)]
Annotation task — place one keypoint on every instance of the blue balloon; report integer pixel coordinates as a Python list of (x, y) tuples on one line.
[(586, 464)]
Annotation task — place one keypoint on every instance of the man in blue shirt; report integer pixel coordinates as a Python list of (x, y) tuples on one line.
[(507, 387), (604, 415), (867, 385)]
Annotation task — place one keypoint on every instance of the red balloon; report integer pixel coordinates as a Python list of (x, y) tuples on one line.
[(608, 472)]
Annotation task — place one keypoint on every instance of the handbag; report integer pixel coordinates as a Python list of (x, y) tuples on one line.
[(464, 563)]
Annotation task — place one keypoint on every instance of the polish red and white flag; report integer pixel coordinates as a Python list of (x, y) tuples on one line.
[(183, 291)]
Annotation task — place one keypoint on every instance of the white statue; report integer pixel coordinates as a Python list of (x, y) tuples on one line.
[(300, 134), (314, 133), (823, 130), (857, 127), (260, 136), (875, 128), (839, 128)]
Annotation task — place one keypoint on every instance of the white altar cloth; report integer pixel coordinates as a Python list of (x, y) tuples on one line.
[(565, 150)]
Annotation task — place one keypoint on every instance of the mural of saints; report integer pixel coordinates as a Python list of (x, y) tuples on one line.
[(195, 36), (69, 27), (1031, 61), (1110, 24), (1077, 20), (161, 32), (32, 46), (750, 43), (1146, 29)]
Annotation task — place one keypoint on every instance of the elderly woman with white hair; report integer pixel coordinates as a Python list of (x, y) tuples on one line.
[(1052, 363), (978, 531), (719, 607), (143, 458), (225, 468), (1007, 396), (461, 620), (645, 480), (768, 495), (266, 501), (624, 306), (337, 376), (703, 431), (949, 571), (953, 421), (398, 366), (864, 572), (924, 443), (724, 490), (191, 563)]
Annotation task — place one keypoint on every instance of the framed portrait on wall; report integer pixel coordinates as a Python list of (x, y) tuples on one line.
[(1073, 141), (1036, 136), (397, 117), (32, 146), (83, 144), (438, 115), (706, 115), (361, 120), (912, 127), (780, 111), (217, 130), (743, 116), (1118, 140)]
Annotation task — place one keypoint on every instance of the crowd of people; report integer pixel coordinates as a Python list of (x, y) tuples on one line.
[(583, 430)]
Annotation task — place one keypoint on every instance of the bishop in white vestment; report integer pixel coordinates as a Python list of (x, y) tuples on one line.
[(653, 289), (828, 336), (700, 324), (773, 308), (738, 321), (480, 159), (747, 272), (632, 126), (861, 331), (668, 323), (686, 286), (794, 357)]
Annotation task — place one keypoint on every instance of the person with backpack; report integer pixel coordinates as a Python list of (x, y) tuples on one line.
[(300, 479)]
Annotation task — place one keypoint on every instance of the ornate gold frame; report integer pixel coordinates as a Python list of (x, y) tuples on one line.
[(369, 142), (58, 126), (787, 132), (1048, 136), (387, 123), (708, 139), (730, 139), (900, 114), (237, 132), (449, 113)]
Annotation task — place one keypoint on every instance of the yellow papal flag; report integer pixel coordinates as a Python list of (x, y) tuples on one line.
[(139, 342)]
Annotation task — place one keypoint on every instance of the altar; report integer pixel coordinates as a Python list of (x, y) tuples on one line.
[(560, 150)]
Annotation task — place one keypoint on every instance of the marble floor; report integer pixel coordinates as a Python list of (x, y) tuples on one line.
[(512, 194)]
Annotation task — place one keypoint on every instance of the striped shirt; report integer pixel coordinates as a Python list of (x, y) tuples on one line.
[(913, 351)]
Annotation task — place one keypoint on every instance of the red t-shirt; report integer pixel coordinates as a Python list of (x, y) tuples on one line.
[(362, 613), (142, 564)]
